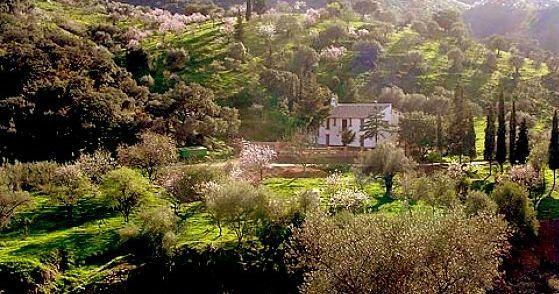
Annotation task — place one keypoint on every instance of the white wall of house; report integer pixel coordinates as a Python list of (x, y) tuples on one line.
[(332, 135)]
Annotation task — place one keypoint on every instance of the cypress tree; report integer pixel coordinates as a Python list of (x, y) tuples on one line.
[(501, 154), (470, 139), (489, 144), (553, 151), (457, 134), (439, 142), (522, 149), (512, 135)]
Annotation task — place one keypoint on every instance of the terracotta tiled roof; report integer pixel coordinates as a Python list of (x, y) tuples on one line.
[(357, 110)]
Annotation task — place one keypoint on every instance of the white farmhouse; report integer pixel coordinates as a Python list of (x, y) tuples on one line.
[(353, 116)]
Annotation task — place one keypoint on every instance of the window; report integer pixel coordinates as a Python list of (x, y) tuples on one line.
[(344, 124), (362, 122), (334, 121), (350, 120), (328, 123), (362, 141), (327, 140)]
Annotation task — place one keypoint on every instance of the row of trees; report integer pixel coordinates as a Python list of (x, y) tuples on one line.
[(495, 144)]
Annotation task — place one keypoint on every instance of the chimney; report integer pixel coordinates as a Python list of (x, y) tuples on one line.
[(334, 101)]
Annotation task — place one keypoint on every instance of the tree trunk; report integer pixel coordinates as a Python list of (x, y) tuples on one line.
[(69, 213), (490, 170), (554, 182), (249, 10), (388, 183)]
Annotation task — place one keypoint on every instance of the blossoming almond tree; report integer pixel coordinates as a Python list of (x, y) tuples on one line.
[(257, 158)]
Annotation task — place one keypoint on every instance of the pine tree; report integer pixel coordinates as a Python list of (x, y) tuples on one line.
[(522, 149), (489, 144), (501, 154), (470, 139), (553, 151), (375, 126), (512, 135)]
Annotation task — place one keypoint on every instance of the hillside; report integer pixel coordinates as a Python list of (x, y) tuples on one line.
[(517, 19), (147, 150)]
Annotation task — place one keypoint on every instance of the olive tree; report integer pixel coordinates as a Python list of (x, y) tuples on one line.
[(125, 189), (384, 162), (403, 253), (239, 206)]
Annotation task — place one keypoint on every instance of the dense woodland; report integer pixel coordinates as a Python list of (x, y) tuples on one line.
[(96, 97)]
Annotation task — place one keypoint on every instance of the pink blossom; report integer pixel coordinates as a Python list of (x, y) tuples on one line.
[(333, 53), (257, 158)]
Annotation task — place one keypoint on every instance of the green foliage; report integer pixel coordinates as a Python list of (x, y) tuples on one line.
[(478, 202), (385, 161), (489, 141), (512, 135), (513, 202), (522, 151), (240, 206), (419, 131), (348, 136), (355, 253), (193, 115), (376, 127), (43, 105), (459, 137), (553, 150), (501, 153), (155, 229), (125, 189)]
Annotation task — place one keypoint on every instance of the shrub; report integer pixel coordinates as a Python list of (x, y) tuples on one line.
[(346, 199), (176, 59), (512, 202), (478, 202), (154, 230), (237, 51)]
